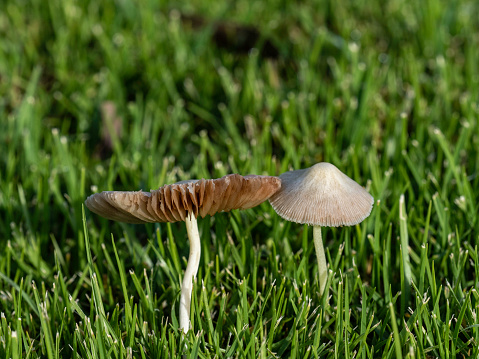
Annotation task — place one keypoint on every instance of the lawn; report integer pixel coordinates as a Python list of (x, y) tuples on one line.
[(135, 94)]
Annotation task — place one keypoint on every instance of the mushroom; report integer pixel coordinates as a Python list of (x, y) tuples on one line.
[(321, 196), (185, 201)]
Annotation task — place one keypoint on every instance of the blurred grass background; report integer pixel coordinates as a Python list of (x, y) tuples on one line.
[(134, 94)]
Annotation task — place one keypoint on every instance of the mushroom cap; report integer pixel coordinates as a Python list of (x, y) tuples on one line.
[(321, 196), (172, 203)]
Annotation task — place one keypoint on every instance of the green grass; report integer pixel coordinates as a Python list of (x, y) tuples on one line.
[(386, 91)]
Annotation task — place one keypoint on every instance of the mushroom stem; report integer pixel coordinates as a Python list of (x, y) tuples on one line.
[(190, 272), (321, 257)]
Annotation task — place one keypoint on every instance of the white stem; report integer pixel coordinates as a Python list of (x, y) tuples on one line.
[(190, 272), (322, 265)]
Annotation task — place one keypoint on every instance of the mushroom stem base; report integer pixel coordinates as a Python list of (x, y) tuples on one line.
[(190, 272), (321, 257)]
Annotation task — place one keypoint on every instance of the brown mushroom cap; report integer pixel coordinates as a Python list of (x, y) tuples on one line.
[(321, 196), (172, 203)]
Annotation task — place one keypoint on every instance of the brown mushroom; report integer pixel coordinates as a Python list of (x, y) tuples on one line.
[(185, 201), (321, 196)]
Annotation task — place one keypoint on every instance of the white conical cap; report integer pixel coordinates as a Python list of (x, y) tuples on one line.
[(321, 196)]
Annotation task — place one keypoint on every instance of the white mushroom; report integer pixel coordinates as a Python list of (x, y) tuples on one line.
[(321, 196)]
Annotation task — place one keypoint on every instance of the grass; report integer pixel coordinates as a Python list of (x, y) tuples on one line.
[(387, 91)]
